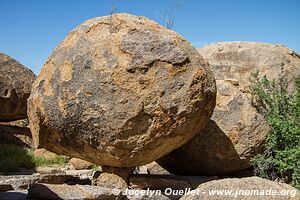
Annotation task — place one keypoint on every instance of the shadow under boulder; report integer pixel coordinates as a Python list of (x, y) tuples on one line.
[(236, 133)]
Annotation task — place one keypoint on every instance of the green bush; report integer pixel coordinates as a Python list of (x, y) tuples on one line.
[(41, 161), (13, 157), (281, 158)]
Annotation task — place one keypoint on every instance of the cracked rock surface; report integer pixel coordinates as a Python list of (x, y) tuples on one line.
[(121, 91)]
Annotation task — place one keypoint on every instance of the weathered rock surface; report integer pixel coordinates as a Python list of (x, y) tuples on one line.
[(235, 134), (50, 170), (244, 187), (68, 192), (121, 91), (80, 164), (15, 87), (162, 182), (237, 131), (24, 181), (237, 60)]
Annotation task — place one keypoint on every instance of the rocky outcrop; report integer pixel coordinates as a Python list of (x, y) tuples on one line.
[(235, 134), (15, 87), (252, 188), (120, 91), (237, 131), (237, 60)]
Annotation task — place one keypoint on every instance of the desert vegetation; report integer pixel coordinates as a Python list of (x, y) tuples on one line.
[(281, 108), (13, 157)]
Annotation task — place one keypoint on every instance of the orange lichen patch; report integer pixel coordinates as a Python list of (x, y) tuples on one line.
[(66, 71), (234, 137)]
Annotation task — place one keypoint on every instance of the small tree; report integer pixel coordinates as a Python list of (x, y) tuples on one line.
[(167, 16), (281, 158), (112, 11)]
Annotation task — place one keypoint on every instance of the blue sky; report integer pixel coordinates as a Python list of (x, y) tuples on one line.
[(31, 29)]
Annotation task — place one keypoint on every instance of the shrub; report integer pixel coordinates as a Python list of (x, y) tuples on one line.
[(41, 161), (281, 158), (13, 157)]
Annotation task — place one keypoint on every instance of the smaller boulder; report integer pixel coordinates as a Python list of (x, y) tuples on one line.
[(80, 164), (15, 88), (45, 154), (261, 189), (114, 177)]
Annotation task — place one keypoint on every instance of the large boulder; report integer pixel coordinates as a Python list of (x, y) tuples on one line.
[(251, 188), (235, 134), (15, 87), (238, 60), (237, 131), (121, 91)]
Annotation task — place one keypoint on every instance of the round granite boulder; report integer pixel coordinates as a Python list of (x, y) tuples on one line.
[(121, 91), (15, 87)]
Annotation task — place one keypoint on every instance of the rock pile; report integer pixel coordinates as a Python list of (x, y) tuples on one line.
[(122, 91)]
